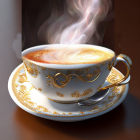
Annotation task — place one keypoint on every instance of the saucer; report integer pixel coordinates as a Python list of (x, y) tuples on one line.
[(30, 100)]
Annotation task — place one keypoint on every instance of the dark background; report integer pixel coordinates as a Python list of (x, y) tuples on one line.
[(35, 12), (123, 123)]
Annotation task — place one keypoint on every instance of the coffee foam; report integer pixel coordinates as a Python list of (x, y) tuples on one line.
[(69, 56)]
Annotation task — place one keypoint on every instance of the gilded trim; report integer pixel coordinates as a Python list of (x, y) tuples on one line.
[(119, 81), (98, 64), (84, 75), (127, 58), (111, 64), (23, 96)]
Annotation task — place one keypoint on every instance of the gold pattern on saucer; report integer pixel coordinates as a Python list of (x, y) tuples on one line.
[(127, 61), (22, 93), (22, 90), (41, 108), (81, 112), (59, 94), (16, 85), (76, 94), (110, 97), (22, 78), (70, 113), (81, 74), (95, 107), (115, 93), (56, 113), (113, 77), (115, 90)]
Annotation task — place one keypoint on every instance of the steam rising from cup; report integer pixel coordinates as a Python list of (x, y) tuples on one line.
[(78, 24)]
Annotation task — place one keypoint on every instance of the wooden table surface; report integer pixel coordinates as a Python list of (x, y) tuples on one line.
[(122, 123)]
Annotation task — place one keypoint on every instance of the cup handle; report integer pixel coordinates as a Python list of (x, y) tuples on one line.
[(127, 61)]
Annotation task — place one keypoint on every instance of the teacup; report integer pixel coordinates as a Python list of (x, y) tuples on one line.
[(70, 83)]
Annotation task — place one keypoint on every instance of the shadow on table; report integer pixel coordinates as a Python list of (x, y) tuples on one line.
[(100, 127)]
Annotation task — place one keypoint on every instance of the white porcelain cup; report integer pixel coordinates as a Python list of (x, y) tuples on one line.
[(71, 83)]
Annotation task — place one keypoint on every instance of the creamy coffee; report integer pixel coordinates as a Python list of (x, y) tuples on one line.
[(69, 55)]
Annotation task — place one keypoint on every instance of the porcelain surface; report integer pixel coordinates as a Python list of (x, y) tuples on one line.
[(68, 82), (30, 100)]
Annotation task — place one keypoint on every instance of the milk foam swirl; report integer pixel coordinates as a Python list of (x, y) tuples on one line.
[(69, 56)]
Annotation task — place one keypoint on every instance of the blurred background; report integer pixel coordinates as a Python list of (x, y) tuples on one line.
[(35, 13)]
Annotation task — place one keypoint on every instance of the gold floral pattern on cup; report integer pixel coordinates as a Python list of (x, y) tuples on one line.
[(76, 94), (31, 68), (23, 96), (60, 94), (85, 75)]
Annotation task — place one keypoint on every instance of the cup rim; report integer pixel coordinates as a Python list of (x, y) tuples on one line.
[(66, 66)]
